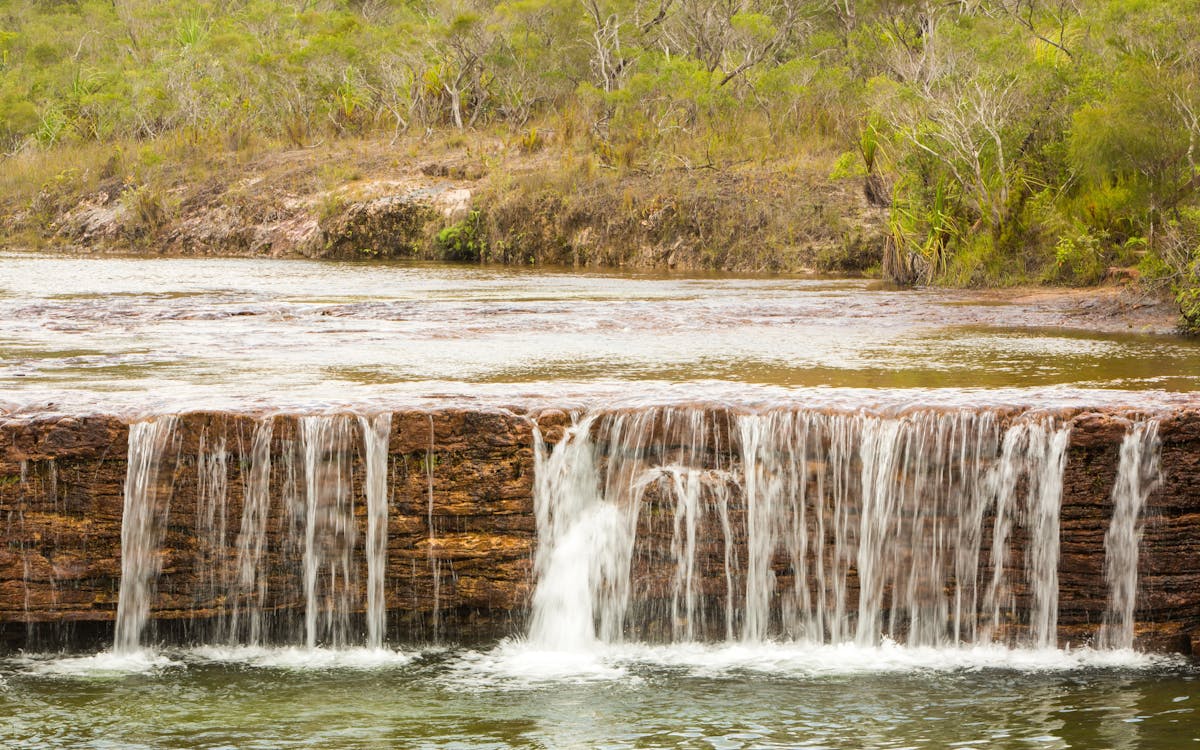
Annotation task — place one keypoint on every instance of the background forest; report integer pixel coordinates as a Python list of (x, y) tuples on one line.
[(1007, 141)]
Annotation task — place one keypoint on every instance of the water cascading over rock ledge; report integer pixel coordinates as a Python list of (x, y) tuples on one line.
[(937, 527)]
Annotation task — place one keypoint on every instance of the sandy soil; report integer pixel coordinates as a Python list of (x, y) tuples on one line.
[(1109, 309)]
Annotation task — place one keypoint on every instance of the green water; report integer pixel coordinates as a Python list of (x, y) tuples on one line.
[(457, 699)]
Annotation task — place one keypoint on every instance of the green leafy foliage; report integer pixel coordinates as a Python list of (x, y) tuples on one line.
[(1007, 141), (464, 241)]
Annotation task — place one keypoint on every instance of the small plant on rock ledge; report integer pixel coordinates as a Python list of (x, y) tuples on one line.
[(463, 242)]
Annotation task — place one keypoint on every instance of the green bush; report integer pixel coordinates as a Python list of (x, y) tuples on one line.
[(146, 210), (463, 242), (1079, 259), (1188, 298)]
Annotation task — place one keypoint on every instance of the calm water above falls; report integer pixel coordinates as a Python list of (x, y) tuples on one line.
[(154, 334)]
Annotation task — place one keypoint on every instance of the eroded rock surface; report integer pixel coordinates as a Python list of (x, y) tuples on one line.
[(461, 525)]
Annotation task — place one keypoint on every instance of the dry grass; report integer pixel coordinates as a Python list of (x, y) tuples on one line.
[(687, 205)]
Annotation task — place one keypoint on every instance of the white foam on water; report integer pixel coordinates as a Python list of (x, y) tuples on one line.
[(299, 658), (103, 664), (517, 664), (812, 660), (109, 664)]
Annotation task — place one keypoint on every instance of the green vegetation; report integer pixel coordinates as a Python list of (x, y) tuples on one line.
[(463, 241), (1007, 140)]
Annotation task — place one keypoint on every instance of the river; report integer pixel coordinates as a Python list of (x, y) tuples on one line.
[(924, 419)]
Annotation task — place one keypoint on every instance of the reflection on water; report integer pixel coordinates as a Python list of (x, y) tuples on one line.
[(772, 698), (198, 331)]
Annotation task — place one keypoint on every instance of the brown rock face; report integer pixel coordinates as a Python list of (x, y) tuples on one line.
[(387, 227), (461, 530), (61, 498)]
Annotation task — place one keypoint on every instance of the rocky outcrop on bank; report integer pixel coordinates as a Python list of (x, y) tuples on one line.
[(366, 220), (348, 203), (461, 528)]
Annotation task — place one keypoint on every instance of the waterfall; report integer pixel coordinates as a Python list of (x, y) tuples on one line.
[(1047, 457), (377, 432), (1138, 474), (435, 565), (212, 497), (143, 526), (761, 485), (813, 526), (330, 531), (882, 497), (685, 586), (935, 528), (312, 550), (249, 586), (565, 498), (1033, 454), (583, 563)]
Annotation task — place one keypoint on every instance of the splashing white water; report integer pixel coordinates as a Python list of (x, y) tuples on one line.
[(143, 523), (583, 572), (108, 664), (104, 664), (891, 506), (1138, 475), (302, 659), (521, 665)]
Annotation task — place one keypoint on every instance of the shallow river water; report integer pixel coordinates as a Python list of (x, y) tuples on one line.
[(768, 696), (146, 336), (149, 333)]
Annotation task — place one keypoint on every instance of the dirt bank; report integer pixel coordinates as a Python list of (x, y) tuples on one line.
[(1114, 308), (477, 200)]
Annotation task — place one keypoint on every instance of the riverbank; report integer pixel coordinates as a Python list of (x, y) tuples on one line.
[(488, 199), (457, 197)]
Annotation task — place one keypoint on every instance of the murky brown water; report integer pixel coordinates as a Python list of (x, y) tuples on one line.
[(98, 332)]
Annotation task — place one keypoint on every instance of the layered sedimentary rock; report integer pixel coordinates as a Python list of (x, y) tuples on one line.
[(265, 523), (62, 493)]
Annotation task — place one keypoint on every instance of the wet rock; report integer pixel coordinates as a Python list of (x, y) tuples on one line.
[(461, 528), (552, 423)]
